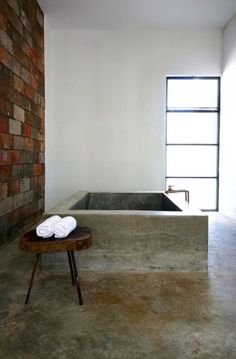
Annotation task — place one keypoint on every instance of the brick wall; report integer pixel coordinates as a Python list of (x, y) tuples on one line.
[(21, 116)]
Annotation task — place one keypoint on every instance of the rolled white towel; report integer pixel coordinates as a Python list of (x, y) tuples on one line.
[(63, 228), (45, 229)]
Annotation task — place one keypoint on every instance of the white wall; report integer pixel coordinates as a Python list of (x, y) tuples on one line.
[(105, 110), (228, 122)]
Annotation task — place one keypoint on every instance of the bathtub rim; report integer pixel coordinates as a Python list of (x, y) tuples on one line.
[(63, 208)]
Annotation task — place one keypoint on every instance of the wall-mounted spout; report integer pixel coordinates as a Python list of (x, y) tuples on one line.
[(172, 190)]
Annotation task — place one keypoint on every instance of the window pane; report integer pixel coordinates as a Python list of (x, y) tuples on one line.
[(192, 127), (203, 192), (193, 161), (189, 93)]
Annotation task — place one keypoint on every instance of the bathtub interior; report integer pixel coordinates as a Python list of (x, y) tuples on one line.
[(125, 201)]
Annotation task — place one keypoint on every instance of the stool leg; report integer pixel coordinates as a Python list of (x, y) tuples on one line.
[(32, 278), (76, 279), (74, 262), (71, 268)]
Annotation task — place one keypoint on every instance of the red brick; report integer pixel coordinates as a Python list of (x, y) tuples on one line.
[(14, 156), (9, 94), (26, 130), (37, 169), (28, 144), (41, 112), (26, 210), (6, 107), (4, 124), (42, 146), (13, 187), (22, 103), (33, 56), (6, 141), (29, 91), (6, 92), (26, 48), (3, 21), (20, 56), (41, 65), (41, 181), (5, 173), (43, 169), (4, 56), (37, 181), (42, 125), (34, 83)]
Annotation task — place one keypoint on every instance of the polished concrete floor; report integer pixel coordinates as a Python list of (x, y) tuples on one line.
[(125, 315)]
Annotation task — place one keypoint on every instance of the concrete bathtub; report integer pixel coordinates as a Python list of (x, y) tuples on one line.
[(140, 231)]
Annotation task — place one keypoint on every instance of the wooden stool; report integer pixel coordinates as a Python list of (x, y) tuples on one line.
[(80, 238)]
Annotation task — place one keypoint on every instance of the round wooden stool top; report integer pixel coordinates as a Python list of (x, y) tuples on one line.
[(80, 238)]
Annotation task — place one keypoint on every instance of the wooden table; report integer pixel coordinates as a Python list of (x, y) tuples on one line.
[(79, 239)]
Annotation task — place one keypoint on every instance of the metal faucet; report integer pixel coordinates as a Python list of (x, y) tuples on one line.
[(172, 190)]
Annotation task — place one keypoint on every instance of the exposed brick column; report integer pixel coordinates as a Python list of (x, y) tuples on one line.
[(21, 117)]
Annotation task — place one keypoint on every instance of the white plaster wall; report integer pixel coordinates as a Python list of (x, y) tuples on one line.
[(228, 122), (105, 109)]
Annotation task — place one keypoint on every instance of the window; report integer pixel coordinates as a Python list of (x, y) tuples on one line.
[(192, 138)]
